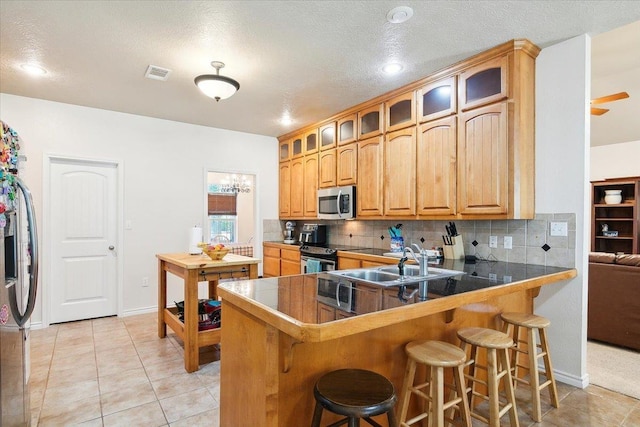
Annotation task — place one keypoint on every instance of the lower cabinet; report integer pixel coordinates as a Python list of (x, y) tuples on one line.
[(280, 260), (326, 313)]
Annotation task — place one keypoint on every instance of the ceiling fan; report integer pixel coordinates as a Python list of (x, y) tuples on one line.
[(605, 99)]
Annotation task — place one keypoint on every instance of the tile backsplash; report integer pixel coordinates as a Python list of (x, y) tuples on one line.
[(529, 238)]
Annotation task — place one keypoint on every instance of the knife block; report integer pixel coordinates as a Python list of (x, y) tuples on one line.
[(456, 250)]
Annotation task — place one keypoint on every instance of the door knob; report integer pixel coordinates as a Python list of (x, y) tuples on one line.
[(111, 247)]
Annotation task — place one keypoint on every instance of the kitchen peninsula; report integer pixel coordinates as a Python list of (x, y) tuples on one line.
[(280, 344)]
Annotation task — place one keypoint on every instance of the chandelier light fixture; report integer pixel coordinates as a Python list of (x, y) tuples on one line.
[(235, 184), (216, 86)]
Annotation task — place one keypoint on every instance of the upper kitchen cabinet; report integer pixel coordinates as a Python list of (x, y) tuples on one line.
[(436, 175), (284, 201), (371, 121), (327, 168), (484, 83), (285, 150), (309, 206), (400, 172), (327, 136), (347, 164), (347, 129), (400, 111), (437, 99), (483, 161), (370, 176), (297, 188), (310, 142), (296, 146)]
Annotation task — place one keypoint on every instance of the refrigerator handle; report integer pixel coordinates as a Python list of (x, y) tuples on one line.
[(21, 319)]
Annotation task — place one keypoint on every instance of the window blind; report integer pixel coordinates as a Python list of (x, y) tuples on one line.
[(222, 204)]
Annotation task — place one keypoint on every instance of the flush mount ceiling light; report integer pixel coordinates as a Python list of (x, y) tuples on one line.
[(34, 70), (216, 86), (399, 14)]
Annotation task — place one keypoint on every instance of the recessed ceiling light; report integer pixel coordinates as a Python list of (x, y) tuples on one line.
[(399, 14), (286, 119), (392, 68), (34, 70)]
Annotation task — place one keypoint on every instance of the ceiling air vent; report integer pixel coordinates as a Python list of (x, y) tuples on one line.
[(157, 73)]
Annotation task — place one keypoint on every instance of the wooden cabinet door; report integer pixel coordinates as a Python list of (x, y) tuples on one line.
[(348, 263), (297, 146), (370, 177), (310, 194), (400, 172), (483, 161), (285, 151), (284, 200), (437, 99), (436, 172), (310, 142), (371, 121), (483, 84), (327, 169), (297, 187), (270, 262), (400, 111), (327, 136), (347, 129), (347, 164)]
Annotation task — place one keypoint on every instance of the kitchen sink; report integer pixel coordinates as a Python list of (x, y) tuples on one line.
[(389, 275)]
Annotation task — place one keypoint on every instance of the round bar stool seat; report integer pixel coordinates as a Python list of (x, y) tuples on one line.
[(437, 355), (355, 394), (496, 344), (531, 323)]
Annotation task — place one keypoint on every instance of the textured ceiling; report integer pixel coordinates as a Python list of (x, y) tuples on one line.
[(309, 58)]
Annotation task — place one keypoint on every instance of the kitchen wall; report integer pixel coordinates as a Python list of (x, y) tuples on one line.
[(164, 177), (615, 161)]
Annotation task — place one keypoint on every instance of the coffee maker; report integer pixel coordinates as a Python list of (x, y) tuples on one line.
[(313, 234), (290, 227)]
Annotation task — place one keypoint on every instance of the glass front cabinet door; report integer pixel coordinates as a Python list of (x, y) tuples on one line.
[(437, 99), (371, 121), (400, 111), (328, 136), (310, 142), (296, 146), (483, 84), (347, 129)]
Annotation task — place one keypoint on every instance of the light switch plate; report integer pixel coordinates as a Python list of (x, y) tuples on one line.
[(508, 242), (493, 241), (558, 229)]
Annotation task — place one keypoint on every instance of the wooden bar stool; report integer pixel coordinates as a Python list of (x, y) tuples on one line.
[(513, 322), (355, 394), (437, 355), (496, 345)]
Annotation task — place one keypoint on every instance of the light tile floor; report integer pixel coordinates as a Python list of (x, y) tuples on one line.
[(117, 372)]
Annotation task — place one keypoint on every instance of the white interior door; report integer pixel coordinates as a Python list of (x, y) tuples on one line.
[(83, 219)]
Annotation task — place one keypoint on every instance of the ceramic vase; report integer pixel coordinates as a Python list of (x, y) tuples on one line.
[(613, 197)]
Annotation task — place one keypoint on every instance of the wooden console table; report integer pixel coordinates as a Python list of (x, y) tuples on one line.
[(194, 269)]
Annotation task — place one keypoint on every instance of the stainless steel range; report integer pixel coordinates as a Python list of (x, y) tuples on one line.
[(315, 259)]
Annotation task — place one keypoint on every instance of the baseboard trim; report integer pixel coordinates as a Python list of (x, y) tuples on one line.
[(144, 310), (563, 377)]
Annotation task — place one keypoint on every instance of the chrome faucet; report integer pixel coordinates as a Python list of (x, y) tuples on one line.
[(422, 259)]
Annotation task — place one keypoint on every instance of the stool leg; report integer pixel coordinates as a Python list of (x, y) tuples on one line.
[(409, 375), (516, 354), (436, 410), (317, 415), (508, 387), (391, 418), (354, 422), (460, 387), (492, 384), (553, 391), (534, 378)]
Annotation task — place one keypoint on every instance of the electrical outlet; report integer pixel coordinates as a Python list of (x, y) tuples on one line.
[(558, 229), (493, 277), (145, 282), (507, 279), (493, 241), (508, 242)]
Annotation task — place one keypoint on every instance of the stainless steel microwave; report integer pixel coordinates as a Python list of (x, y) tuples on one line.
[(337, 202)]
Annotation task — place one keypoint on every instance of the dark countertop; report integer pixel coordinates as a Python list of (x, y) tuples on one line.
[(296, 296)]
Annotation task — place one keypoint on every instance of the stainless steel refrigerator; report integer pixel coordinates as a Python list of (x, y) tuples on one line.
[(18, 288)]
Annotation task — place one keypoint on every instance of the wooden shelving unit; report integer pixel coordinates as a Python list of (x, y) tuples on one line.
[(623, 217)]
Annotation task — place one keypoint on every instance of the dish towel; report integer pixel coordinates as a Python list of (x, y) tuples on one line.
[(313, 266)]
